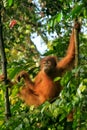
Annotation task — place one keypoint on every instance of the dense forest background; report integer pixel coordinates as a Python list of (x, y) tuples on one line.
[(23, 21)]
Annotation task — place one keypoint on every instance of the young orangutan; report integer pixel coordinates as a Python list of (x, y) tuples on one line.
[(44, 86)]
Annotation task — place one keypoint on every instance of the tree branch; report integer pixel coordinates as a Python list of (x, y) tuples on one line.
[(76, 37), (4, 68)]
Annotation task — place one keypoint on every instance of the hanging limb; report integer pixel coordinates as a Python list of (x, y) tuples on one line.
[(4, 69)]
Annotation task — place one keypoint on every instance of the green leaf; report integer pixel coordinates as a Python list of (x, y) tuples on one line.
[(10, 2), (59, 17), (13, 72), (57, 79), (76, 10)]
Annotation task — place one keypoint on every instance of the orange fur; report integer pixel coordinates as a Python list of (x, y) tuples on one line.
[(1, 78), (44, 87)]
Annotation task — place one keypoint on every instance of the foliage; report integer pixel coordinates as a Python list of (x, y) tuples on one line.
[(52, 21), (53, 115)]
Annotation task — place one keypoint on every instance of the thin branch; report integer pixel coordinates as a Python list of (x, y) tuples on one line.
[(76, 37), (4, 68), (76, 32)]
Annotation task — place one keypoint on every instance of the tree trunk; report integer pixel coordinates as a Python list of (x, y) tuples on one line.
[(4, 68)]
